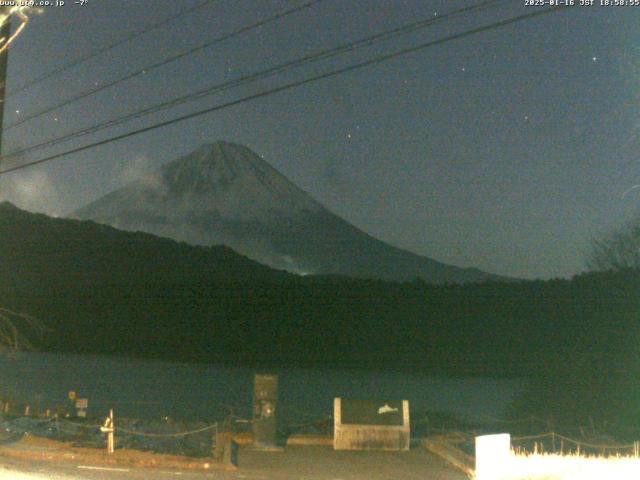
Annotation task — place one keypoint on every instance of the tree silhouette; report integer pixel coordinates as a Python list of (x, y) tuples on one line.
[(618, 250), (18, 331), (14, 325)]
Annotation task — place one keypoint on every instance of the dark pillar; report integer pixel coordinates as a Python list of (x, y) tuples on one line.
[(5, 32), (265, 400)]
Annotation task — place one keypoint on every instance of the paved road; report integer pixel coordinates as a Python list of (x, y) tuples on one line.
[(20, 470), (295, 463)]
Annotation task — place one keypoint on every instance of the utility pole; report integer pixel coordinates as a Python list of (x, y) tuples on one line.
[(5, 32)]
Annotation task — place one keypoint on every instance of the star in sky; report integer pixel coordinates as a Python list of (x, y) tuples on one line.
[(398, 120)]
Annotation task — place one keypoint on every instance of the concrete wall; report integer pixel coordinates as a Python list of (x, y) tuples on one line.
[(370, 437)]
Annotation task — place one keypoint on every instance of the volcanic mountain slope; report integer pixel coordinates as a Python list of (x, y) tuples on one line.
[(223, 193)]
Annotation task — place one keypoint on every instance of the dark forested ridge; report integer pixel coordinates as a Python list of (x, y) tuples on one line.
[(103, 290)]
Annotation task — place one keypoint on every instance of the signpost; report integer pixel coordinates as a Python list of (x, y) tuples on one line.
[(108, 428), (81, 407)]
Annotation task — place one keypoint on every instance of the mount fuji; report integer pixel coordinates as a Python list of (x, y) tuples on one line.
[(224, 193)]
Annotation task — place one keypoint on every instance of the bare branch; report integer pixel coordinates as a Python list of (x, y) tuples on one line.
[(19, 331), (618, 250)]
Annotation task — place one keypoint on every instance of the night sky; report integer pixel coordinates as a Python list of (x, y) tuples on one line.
[(508, 150)]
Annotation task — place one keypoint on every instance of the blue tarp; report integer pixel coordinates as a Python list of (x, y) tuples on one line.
[(86, 433)]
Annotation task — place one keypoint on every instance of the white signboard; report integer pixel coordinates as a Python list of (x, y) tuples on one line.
[(492, 456)]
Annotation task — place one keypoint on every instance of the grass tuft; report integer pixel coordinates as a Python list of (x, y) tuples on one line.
[(543, 466)]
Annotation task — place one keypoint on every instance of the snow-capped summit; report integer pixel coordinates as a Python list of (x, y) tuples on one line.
[(235, 183)]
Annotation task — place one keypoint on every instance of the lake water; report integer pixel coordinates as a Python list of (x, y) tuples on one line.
[(153, 389)]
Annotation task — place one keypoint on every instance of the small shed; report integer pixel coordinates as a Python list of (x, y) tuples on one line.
[(371, 424)]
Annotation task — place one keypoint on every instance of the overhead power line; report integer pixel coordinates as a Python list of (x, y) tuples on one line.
[(218, 87), (148, 68), (100, 51), (333, 73)]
